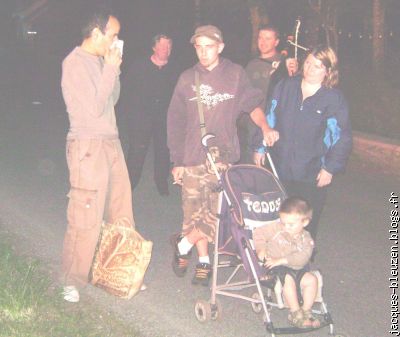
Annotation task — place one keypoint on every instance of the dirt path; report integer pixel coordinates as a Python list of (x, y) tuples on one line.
[(353, 247)]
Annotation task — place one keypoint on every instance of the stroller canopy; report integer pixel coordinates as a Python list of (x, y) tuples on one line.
[(255, 193)]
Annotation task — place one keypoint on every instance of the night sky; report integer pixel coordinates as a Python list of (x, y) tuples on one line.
[(57, 26), (58, 29), (58, 32)]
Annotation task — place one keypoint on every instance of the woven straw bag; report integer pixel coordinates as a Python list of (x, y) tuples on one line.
[(121, 259)]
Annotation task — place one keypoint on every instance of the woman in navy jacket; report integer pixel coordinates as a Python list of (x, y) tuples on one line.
[(310, 130)]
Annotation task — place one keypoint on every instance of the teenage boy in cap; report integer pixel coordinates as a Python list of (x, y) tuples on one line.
[(225, 92)]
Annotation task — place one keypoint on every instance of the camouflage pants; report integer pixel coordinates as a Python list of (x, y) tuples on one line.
[(199, 201)]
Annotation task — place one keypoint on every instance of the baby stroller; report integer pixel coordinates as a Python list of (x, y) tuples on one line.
[(250, 196)]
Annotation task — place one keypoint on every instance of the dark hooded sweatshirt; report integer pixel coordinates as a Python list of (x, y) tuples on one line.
[(225, 93)]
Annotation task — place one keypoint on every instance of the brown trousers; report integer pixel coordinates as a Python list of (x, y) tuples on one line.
[(100, 191)]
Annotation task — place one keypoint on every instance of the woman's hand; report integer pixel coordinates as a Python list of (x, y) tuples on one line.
[(292, 66), (259, 158), (324, 178)]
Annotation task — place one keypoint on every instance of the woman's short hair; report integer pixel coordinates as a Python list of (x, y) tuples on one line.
[(329, 59), (296, 205)]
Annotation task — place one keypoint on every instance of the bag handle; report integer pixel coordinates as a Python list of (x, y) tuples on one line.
[(123, 222), (200, 105)]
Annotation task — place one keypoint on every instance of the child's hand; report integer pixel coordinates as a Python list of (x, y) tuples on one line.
[(270, 263), (262, 255)]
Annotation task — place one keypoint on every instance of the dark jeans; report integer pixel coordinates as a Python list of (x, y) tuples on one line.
[(316, 196), (247, 131), (141, 134)]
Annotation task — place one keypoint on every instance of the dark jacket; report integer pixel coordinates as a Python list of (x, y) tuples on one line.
[(225, 93), (314, 133), (146, 91)]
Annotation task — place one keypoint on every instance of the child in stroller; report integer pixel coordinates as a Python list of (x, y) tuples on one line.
[(252, 197), (285, 248)]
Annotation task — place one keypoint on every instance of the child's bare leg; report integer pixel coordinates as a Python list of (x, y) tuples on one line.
[(309, 288), (295, 316), (290, 294)]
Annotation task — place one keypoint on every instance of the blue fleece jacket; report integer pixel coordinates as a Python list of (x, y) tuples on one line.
[(314, 133)]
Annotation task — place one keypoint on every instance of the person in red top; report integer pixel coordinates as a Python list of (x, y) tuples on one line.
[(225, 93), (97, 170)]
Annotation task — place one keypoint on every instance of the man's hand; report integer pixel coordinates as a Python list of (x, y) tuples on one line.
[(324, 178), (177, 174), (270, 135), (113, 57), (292, 66)]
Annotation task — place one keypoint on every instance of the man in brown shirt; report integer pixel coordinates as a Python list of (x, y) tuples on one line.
[(100, 188)]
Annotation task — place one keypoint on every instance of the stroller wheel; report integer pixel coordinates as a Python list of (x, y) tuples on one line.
[(216, 310), (257, 307), (202, 310)]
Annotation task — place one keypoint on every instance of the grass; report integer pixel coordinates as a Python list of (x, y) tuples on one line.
[(31, 305)]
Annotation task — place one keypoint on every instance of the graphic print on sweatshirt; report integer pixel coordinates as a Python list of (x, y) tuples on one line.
[(210, 98)]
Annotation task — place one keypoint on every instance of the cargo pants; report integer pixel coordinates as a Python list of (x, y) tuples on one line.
[(200, 201), (100, 191)]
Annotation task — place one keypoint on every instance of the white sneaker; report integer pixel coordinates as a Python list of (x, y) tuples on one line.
[(71, 294)]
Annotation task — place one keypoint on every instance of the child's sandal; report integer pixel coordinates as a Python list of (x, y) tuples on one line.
[(303, 319), (296, 318), (315, 322)]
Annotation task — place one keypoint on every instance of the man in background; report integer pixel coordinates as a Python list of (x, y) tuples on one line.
[(264, 72), (147, 91)]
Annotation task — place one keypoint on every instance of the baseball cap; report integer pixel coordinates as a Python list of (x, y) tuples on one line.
[(209, 31)]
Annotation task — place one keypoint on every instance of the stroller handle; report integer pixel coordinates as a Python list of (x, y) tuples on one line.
[(204, 141), (206, 138), (266, 147), (271, 163)]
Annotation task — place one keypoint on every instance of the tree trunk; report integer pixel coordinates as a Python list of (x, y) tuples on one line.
[(197, 13), (323, 16), (329, 18), (313, 23), (378, 41), (258, 17)]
